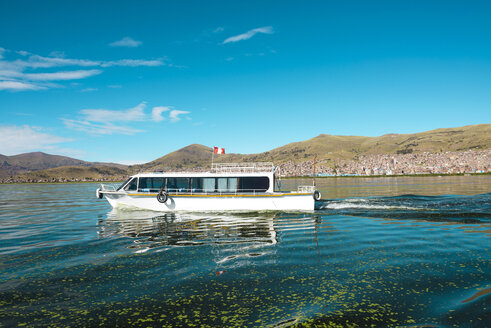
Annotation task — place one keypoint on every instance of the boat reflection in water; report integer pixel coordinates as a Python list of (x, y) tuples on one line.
[(190, 228), (225, 232), (230, 236)]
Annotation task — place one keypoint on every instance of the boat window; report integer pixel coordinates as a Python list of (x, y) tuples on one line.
[(222, 184), (208, 184), (132, 184), (196, 184), (123, 184), (232, 184), (226, 184), (150, 184), (177, 184), (254, 183)]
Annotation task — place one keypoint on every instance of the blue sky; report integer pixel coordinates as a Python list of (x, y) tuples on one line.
[(130, 81)]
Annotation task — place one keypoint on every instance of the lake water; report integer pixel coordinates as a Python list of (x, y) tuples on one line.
[(383, 252)]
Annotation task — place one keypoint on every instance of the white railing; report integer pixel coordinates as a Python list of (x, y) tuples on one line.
[(205, 192), (242, 167), (105, 187)]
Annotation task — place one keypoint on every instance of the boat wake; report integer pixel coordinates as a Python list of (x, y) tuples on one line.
[(361, 203), (464, 209)]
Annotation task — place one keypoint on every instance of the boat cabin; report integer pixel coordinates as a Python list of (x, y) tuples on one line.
[(224, 178)]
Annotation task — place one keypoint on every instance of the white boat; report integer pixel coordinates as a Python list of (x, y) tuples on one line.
[(226, 187)]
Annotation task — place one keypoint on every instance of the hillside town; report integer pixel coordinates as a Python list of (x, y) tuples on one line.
[(471, 161)]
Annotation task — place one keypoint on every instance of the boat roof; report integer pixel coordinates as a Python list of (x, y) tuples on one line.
[(221, 170), (200, 174)]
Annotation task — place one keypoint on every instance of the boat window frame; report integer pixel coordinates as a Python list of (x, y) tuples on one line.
[(124, 184), (147, 189), (137, 183), (239, 182), (264, 179)]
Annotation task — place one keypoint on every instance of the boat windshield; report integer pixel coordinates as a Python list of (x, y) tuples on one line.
[(124, 183)]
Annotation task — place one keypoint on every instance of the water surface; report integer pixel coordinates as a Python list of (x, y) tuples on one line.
[(383, 252)]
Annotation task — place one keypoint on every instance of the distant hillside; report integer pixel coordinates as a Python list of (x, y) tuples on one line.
[(17, 164), (13, 165), (328, 148), (76, 173)]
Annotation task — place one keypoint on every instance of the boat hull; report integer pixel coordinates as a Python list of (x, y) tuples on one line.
[(258, 202)]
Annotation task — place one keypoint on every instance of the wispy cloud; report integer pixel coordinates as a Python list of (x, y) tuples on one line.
[(63, 75), (174, 115), (106, 121), (126, 42), (36, 61), (98, 128), (249, 34), (105, 115), (19, 86), (157, 113), (134, 62), (89, 90), (19, 74), (21, 139)]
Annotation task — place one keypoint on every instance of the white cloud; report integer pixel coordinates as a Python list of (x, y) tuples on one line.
[(63, 75), (218, 29), (157, 113), (249, 34), (174, 115), (103, 121), (105, 115), (98, 128), (21, 139), (19, 86), (17, 74), (126, 42), (36, 61)]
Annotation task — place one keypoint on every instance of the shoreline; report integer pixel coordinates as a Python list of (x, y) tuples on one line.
[(388, 176)]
